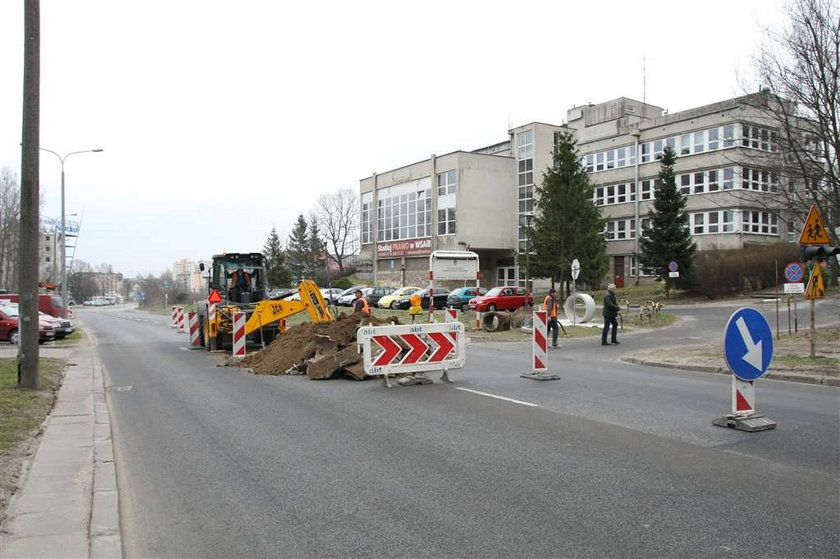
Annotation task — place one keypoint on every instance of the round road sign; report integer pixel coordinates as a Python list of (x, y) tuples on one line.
[(673, 266), (794, 272), (748, 344), (575, 269)]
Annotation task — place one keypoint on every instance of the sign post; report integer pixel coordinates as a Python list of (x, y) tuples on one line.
[(575, 274), (748, 350), (794, 273), (813, 242)]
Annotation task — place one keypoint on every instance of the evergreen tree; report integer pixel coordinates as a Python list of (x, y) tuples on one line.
[(566, 224), (316, 254), (668, 236), (297, 250), (277, 270)]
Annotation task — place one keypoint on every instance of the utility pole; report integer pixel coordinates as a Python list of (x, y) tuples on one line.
[(29, 185)]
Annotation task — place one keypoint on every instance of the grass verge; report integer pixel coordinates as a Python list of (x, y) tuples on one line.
[(23, 411), (798, 360), (77, 336)]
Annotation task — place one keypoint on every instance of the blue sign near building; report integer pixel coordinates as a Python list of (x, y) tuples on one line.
[(748, 344)]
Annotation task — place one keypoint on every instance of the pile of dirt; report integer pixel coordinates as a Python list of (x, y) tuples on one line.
[(319, 350)]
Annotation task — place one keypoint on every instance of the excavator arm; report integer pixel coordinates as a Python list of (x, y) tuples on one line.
[(269, 312)]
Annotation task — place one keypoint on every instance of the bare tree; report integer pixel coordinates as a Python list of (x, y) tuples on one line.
[(338, 219), (799, 69), (9, 228)]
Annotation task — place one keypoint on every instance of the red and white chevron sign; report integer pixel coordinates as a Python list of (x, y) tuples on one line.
[(390, 350)]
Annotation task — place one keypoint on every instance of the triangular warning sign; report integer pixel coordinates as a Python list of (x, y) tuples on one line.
[(814, 231), (214, 297), (816, 285)]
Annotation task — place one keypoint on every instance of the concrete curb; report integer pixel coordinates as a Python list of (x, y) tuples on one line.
[(68, 503), (772, 375)]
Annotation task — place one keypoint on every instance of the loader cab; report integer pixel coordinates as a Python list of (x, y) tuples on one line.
[(239, 277)]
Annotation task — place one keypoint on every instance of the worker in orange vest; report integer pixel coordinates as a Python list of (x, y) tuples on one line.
[(550, 305), (360, 304)]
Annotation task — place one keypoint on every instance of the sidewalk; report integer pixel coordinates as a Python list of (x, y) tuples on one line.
[(68, 505)]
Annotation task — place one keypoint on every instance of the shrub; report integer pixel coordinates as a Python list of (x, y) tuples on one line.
[(721, 273)]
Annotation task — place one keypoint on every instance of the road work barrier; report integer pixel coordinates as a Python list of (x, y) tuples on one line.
[(412, 348), (181, 320), (174, 322), (239, 334), (195, 339), (539, 351)]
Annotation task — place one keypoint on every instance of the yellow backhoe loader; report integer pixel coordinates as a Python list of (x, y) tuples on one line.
[(237, 284)]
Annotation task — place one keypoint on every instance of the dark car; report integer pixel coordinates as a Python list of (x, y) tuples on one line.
[(440, 299), (460, 298), (504, 298), (376, 293)]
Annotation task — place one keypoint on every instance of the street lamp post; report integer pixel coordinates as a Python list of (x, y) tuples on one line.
[(63, 217)]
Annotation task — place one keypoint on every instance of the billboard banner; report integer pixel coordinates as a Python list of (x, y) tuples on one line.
[(408, 247)]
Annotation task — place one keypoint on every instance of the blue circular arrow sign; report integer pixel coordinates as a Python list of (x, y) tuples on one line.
[(748, 344)]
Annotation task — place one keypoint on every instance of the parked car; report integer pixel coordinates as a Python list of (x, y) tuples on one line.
[(9, 326), (460, 298), (347, 296), (62, 326), (440, 299), (504, 298), (331, 295), (376, 293), (387, 301)]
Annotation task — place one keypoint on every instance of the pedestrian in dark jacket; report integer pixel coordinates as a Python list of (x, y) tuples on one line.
[(611, 309)]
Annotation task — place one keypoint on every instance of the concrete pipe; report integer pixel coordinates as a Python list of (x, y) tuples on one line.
[(495, 321), (570, 307)]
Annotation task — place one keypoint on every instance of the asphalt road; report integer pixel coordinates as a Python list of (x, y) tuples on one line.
[(611, 461)]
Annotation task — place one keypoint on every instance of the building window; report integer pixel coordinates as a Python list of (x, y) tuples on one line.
[(699, 142), (762, 223), (729, 136), (713, 138), (525, 155), (685, 144), (645, 152), (698, 223), (405, 211), (446, 182), (713, 180), (685, 184), (367, 214), (729, 178), (446, 221)]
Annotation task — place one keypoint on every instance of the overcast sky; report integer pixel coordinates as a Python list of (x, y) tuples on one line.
[(221, 119)]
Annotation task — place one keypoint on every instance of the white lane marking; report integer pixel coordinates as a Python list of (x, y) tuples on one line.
[(499, 397)]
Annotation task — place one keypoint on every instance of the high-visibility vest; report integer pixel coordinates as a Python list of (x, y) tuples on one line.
[(361, 306), (553, 312)]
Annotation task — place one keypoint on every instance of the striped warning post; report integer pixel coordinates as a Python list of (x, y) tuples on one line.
[(239, 334), (174, 322), (192, 318), (743, 396), (180, 320), (211, 312), (540, 345), (452, 315)]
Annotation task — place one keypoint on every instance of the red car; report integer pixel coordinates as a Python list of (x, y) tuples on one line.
[(9, 326), (504, 298)]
